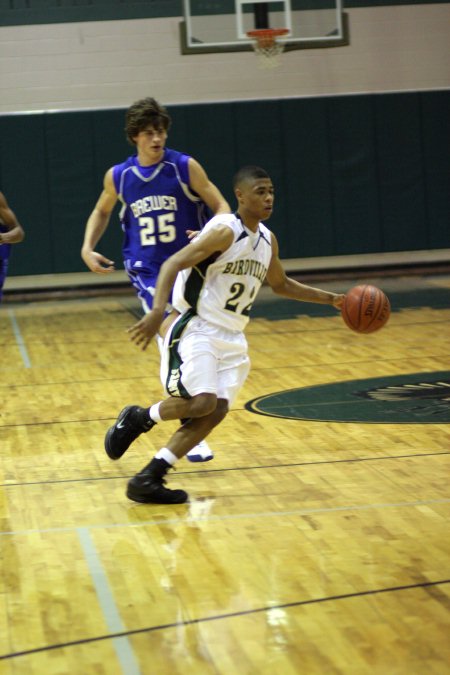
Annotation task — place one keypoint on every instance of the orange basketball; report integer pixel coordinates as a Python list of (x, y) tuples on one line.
[(365, 309)]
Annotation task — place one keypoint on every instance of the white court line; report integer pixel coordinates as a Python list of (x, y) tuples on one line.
[(19, 339), (122, 645), (263, 514)]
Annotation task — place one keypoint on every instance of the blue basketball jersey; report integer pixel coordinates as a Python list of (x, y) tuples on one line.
[(5, 249), (158, 206)]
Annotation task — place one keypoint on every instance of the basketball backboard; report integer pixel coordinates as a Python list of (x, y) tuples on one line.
[(222, 25)]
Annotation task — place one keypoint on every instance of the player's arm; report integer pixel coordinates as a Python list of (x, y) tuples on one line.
[(206, 190), (15, 232), (283, 285), (96, 227), (215, 241)]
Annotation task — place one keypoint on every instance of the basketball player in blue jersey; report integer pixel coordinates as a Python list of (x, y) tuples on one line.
[(163, 193), (205, 361), (11, 232)]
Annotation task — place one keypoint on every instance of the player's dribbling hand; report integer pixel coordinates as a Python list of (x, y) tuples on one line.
[(338, 300), (144, 330)]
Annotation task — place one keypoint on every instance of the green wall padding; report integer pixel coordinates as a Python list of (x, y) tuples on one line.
[(217, 154), (435, 138), (71, 184), (307, 189), (24, 181), (22, 12), (18, 12), (352, 174), (400, 172)]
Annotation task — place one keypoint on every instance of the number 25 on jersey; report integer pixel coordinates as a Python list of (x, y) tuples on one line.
[(157, 230)]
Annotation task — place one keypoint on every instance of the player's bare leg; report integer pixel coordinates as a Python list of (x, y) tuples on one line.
[(202, 412), (148, 485)]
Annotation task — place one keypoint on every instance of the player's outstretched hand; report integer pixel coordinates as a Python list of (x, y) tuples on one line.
[(144, 330), (98, 263)]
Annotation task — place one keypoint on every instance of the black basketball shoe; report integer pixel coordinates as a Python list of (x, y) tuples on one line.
[(147, 487), (131, 423)]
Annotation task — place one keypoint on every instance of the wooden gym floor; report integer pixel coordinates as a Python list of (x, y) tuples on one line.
[(312, 544)]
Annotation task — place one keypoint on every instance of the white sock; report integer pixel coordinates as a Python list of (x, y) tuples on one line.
[(166, 454), (154, 412)]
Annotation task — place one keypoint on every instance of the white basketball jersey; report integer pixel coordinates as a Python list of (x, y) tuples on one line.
[(222, 289)]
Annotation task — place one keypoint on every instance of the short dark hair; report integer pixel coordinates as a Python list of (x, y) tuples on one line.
[(249, 173), (144, 113)]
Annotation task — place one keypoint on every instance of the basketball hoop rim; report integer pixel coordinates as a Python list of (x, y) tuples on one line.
[(267, 33)]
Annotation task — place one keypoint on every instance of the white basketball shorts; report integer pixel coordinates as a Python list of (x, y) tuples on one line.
[(201, 358)]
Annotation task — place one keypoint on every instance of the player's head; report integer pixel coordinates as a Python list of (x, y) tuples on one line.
[(145, 113), (254, 191)]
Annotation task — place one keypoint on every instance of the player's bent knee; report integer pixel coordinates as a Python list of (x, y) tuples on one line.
[(202, 405)]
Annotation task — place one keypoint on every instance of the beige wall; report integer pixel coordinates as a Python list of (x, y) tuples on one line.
[(112, 63)]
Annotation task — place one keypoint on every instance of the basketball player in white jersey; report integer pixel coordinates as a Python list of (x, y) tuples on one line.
[(205, 361)]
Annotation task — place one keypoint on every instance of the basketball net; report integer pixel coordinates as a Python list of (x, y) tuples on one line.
[(266, 45)]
